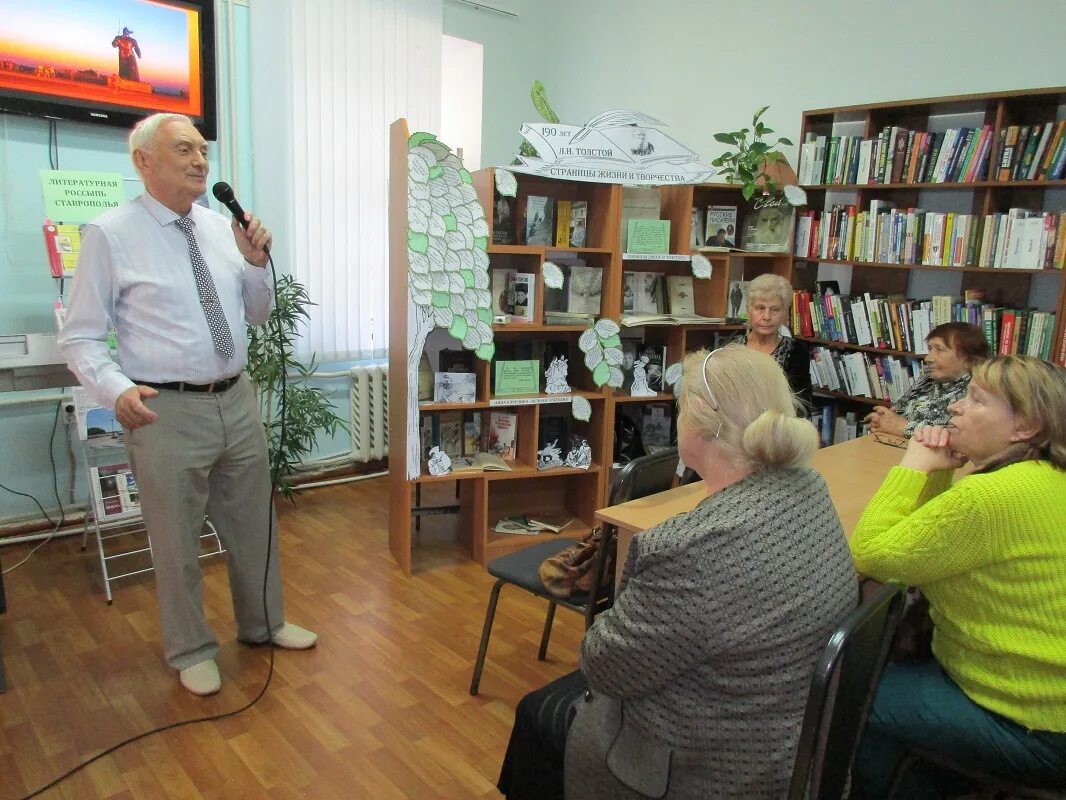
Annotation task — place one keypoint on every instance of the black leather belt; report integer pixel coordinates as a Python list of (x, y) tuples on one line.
[(181, 386)]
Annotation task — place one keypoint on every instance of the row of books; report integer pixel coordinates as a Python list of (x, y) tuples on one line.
[(897, 155), (547, 222), (863, 374), (1032, 152), (903, 324), (1018, 239), (835, 428), (464, 433)]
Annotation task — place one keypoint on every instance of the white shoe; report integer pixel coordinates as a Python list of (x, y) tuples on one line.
[(201, 679), (293, 637)]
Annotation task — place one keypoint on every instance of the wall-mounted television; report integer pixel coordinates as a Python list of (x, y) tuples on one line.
[(109, 61)]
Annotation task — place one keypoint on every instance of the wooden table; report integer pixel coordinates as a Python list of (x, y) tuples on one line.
[(853, 470)]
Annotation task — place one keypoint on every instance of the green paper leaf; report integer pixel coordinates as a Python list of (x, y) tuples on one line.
[(458, 328), (468, 278), (485, 315), (418, 242), (602, 373), (416, 139), (450, 223), (442, 300), (486, 351), (435, 172), (481, 242), (465, 176), (614, 341)]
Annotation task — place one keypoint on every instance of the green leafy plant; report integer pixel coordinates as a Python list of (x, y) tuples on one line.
[(539, 95), (308, 412), (747, 164)]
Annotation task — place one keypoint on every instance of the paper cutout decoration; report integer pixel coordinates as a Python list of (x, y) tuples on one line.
[(581, 408), (580, 456), (602, 347), (551, 456), (448, 266), (553, 275), (506, 182), (701, 266), (555, 376), (614, 147), (640, 386), (439, 462), (672, 377), (795, 195)]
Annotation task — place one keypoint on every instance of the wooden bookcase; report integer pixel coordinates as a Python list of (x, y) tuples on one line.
[(1040, 289), (484, 497)]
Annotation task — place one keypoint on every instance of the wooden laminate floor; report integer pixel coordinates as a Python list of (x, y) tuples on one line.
[(380, 709)]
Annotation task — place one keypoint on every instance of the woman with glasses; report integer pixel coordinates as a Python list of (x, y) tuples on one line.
[(954, 349), (989, 553), (769, 301), (693, 684)]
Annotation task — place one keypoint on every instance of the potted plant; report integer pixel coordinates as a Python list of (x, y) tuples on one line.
[(307, 411), (753, 161)]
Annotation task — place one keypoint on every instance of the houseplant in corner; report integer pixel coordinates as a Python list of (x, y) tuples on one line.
[(749, 162), (307, 412)]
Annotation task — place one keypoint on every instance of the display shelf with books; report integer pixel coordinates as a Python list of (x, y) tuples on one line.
[(559, 462), (956, 198)]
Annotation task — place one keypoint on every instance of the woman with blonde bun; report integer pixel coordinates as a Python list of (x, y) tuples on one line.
[(693, 684)]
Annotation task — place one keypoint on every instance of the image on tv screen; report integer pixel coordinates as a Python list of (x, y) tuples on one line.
[(116, 54)]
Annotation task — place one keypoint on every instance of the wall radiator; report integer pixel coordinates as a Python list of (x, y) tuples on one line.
[(370, 412)]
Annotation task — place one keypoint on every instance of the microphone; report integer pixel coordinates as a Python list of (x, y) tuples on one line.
[(223, 192)]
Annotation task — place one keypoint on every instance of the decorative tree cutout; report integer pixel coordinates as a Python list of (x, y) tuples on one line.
[(602, 347), (448, 263)]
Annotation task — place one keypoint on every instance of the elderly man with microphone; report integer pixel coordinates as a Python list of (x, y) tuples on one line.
[(178, 283)]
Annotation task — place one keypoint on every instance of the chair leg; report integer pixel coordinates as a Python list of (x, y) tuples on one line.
[(548, 619), (486, 631)]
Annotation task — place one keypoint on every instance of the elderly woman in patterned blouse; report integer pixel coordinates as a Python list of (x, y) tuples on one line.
[(769, 301), (693, 684), (954, 349)]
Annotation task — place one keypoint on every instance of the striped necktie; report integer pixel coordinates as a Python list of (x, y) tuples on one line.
[(205, 286)]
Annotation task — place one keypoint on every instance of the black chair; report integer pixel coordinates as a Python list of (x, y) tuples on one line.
[(639, 478), (842, 690), (983, 781)]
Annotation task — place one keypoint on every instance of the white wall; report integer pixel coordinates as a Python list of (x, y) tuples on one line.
[(461, 108), (517, 52), (705, 65)]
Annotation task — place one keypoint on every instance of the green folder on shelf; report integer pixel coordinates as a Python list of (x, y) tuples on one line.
[(648, 236), (517, 377)]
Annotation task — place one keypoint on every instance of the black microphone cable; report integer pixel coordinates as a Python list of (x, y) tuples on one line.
[(275, 467)]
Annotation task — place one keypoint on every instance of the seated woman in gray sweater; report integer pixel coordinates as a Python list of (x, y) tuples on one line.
[(693, 685)]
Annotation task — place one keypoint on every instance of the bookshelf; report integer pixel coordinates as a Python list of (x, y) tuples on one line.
[(964, 191), (482, 498)]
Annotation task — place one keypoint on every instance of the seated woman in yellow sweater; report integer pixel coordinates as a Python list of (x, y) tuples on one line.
[(989, 553)]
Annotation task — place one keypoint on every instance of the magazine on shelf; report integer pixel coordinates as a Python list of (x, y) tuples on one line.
[(114, 491), (480, 462), (502, 431), (454, 387), (738, 300), (681, 293), (96, 425), (540, 220), (767, 225), (721, 226), (584, 290), (642, 293), (521, 288), (636, 320), (579, 211)]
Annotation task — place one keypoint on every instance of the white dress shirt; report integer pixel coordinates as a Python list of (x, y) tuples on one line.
[(135, 274)]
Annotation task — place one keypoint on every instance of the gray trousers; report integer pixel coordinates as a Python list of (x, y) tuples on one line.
[(207, 453)]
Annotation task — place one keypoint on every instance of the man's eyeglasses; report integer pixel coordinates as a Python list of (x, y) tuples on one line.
[(891, 441)]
